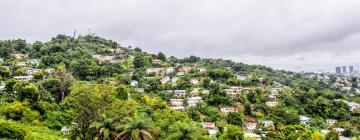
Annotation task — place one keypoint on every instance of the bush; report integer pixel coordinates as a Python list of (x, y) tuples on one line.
[(11, 130)]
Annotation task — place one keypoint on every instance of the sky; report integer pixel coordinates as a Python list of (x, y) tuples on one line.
[(310, 35)]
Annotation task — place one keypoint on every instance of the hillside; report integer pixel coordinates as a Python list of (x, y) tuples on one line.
[(89, 87)]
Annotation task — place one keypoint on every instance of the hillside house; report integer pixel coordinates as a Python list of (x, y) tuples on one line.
[(23, 78), (33, 62), (157, 61), (179, 93), (134, 83), (193, 101), (176, 102), (202, 70), (304, 120), (241, 77), (194, 81), (250, 126), (169, 70), (20, 56), (267, 123), (271, 104), (140, 90), (174, 80), (339, 131), (330, 121), (184, 69), (227, 110), (156, 71), (165, 79), (208, 125)]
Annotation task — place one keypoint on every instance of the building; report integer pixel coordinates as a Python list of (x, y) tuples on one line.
[(339, 131), (227, 110), (20, 55), (271, 104), (330, 121), (267, 123), (338, 70), (250, 126), (165, 79), (344, 69), (134, 83), (141, 90), (304, 120), (351, 69), (208, 125), (157, 61), (193, 101), (176, 102), (194, 81), (179, 93), (23, 78), (185, 69)]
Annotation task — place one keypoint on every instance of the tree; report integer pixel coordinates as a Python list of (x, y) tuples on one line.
[(138, 61), (38, 75), (105, 129), (135, 128), (184, 131), (27, 91), (235, 118), (232, 132), (85, 100), (161, 56), (317, 136), (332, 135), (65, 79), (11, 130), (121, 92)]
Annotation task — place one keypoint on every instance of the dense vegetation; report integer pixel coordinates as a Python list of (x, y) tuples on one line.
[(73, 94)]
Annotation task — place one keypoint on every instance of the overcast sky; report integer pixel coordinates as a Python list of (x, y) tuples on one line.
[(316, 34)]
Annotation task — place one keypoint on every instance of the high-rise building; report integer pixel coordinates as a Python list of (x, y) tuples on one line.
[(343, 69), (351, 69), (338, 70)]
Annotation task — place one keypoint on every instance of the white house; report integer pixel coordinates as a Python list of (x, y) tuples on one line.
[(180, 93), (174, 80), (267, 123), (331, 121), (141, 90), (304, 120), (194, 81), (157, 61), (227, 110), (241, 77), (176, 102), (65, 130), (134, 83), (192, 101), (250, 126), (271, 104), (23, 78), (165, 79), (169, 70), (202, 70), (339, 131), (208, 125)]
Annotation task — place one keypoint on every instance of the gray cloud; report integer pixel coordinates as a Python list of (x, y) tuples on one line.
[(273, 31)]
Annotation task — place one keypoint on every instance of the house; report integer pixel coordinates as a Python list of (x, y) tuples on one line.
[(31, 71), (267, 123), (195, 91), (105, 58), (174, 80), (212, 133), (208, 125), (353, 106), (33, 62), (271, 104), (331, 121), (157, 61), (252, 136), (250, 126), (180, 73), (141, 90), (20, 55), (194, 81), (304, 120), (232, 91), (134, 83), (179, 93), (165, 79), (273, 93), (227, 110), (178, 108), (23, 78), (324, 131), (193, 101), (169, 70), (65, 130), (176, 102), (21, 64), (2, 88), (247, 90), (156, 71), (241, 77), (339, 131), (202, 70), (185, 69)]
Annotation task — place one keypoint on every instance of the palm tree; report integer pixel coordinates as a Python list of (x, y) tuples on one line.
[(135, 128), (105, 129), (184, 131)]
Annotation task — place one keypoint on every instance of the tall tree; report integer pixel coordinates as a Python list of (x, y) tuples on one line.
[(135, 128)]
